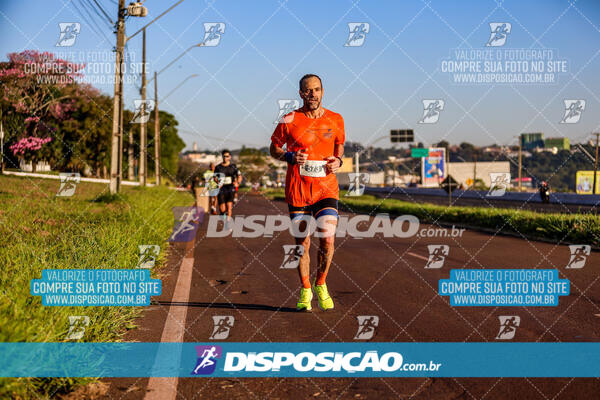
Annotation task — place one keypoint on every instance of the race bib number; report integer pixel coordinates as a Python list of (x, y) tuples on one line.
[(313, 168), (227, 180)]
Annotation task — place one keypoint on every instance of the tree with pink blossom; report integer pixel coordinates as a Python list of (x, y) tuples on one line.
[(28, 148), (40, 87)]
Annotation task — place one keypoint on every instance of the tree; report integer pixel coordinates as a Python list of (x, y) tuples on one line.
[(28, 148), (34, 86), (442, 143), (170, 143)]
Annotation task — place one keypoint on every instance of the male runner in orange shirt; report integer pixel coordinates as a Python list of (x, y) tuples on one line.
[(314, 139)]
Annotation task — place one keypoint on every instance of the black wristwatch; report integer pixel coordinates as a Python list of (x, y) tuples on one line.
[(341, 161)]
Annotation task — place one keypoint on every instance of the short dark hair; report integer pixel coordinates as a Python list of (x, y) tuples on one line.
[(225, 151), (310, 76)]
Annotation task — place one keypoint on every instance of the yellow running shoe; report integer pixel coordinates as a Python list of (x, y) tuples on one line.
[(306, 296), (325, 301)]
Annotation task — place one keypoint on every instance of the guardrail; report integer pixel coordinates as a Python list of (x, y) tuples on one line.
[(82, 179), (523, 197)]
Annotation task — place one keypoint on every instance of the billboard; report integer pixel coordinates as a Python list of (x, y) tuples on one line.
[(584, 182), (433, 167)]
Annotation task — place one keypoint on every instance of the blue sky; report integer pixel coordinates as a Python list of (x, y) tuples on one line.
[(268, 45)]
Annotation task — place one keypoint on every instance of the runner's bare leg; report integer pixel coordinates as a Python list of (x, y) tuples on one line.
[(304, 264), (326, 248)]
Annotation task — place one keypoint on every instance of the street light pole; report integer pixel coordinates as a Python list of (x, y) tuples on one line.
[(142, 163), (520, 164), (474, 169), (178, 86), (116, 160), (596, 162), (156, 133), (1, 144), (448, 175), (115, 167)]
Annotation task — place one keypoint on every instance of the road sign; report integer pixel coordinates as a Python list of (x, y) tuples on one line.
[(418, 152), (402, 135), (449, 184)]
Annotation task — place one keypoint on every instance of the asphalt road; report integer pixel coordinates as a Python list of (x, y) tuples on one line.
[(241, 277)]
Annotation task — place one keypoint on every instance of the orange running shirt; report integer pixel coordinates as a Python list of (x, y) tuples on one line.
[(319, 136)]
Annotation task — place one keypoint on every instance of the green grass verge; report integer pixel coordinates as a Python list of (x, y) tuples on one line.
[(88, 230), (571, 228)]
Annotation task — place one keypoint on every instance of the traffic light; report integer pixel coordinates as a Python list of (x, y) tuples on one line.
[(402, 135)]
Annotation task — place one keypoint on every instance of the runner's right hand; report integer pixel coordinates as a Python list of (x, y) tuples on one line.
[(301, 156)]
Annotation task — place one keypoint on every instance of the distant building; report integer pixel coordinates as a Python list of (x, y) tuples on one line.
[(536, 142), (561, 143), (390, 177), (466, 173), (530, 141), (201, 158)]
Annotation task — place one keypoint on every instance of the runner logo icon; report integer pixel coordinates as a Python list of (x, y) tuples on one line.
[(498, 34), (292, 254), (222, 326), (437, 255), (286, 106), (141, 115), (358, 33), (187, 220), (77, 325), (499, 183), (207, 359), (508, 326), (212, 33), (366, 326), (579, 253), (573, 111), (431, 111), (358, 183), (214, 184), (68, 183), (148, 254), (68, 33)]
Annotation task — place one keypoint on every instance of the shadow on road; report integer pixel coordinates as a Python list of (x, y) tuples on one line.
[(225, 305)]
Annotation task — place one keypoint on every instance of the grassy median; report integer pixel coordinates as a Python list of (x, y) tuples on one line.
[(570, 228), (91, 229)]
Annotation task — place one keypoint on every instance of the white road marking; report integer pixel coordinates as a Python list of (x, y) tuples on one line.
[(165, 388)]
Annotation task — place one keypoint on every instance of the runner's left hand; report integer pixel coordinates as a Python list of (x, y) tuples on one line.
[(333, 164)]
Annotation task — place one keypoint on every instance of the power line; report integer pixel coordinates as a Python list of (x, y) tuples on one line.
[(85, 7), (105, 13), (221, 139), (85, 19), (93, 8)]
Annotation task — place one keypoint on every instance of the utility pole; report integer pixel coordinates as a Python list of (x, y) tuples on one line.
[(156, 133), (596, 162), (520, 164), (1, 144), (357, 169), (130, 156), (121, 131), (143, 115), (474, 169), (115, 165), (448, 175)]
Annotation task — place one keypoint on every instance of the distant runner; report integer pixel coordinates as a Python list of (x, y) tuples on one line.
[(314, 138), (212, 187), (230, 176)]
